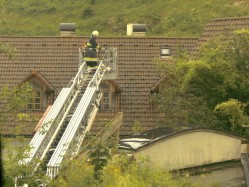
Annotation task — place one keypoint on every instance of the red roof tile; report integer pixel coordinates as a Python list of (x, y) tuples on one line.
[(56, 59), (222, 26)]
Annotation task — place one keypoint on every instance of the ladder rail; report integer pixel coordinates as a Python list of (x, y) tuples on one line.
[(42, 138), (51, 138), (89, 123), (67, 137), (41, 134), (78, 119), (79, 76), (110, 60)]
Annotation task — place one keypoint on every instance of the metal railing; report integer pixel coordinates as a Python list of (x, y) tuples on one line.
[(78, 125), (39, 141), (52, 122), (110, 60), (81, 120)]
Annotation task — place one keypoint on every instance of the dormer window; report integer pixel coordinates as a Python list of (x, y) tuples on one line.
[(35, 103), (105, 104), (44, 92), (111, 97)]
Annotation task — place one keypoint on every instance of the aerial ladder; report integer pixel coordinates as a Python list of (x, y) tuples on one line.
[(71, 116)]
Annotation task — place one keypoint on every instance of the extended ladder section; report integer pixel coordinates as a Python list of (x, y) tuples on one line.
[(71, 116)]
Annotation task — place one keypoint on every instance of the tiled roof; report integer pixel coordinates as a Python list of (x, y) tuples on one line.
[(40, 77), (222, 26), (137, 75), (56, 59)]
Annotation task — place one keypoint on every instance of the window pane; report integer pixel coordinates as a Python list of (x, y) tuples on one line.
[(30, 106), (106, 94), (37, 106), (35, 103), (105, 107), (37, 100), (106, 100)]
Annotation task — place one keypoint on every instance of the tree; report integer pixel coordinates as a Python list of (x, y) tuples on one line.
[(194, 90), (16, 172), (174, 100), (99, 154), (13, 102), (228, 59), (232, 115)]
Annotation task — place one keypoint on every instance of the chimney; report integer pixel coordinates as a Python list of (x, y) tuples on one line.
[(67, 29), (136, 29)]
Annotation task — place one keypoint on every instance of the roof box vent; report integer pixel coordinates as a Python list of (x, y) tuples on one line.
[(136, 29), (67, 29)]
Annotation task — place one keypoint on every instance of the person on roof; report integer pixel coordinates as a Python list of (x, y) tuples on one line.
[(91, 48)]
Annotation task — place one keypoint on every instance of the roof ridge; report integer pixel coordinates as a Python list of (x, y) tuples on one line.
[(229, 18)]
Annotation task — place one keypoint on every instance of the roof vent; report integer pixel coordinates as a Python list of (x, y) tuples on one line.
[(67, 29), (136, 29)]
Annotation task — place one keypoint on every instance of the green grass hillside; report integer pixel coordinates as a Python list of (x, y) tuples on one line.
[(166, 18)]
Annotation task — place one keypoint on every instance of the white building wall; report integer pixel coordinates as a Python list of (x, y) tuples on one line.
[(192, 149)]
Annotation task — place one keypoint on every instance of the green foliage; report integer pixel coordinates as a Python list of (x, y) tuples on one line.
[(174, 99), (232, 115), (87, 12), (13, 102), (228, 59), (188, 22), (77, 173), (136, 128), (193, 89), (7, 49), (15, 98), (42, 129), (14, 171), (120, 171), (198, 78), (163, 18), (123, 171), (2, 12), (99, 154)]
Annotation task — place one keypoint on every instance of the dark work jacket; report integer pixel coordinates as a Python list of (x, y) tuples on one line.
[(90, 49), (92, 43)]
